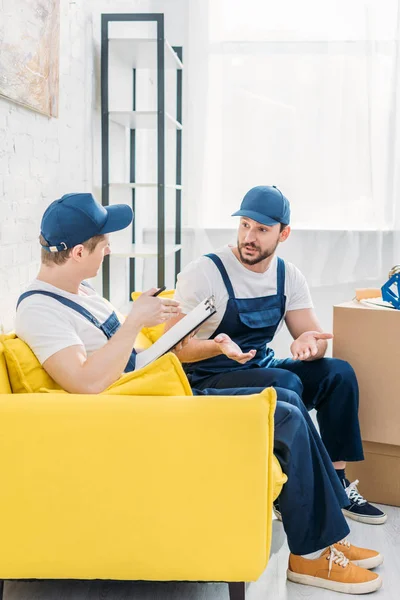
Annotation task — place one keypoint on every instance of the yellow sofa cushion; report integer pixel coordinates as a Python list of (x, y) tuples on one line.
[(25, 371), (26, 374), (153, 333), (163, 377)]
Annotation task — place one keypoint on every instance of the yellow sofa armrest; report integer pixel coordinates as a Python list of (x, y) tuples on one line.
[(141, 488)]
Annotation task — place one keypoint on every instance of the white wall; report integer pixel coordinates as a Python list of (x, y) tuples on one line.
[(42, 159)]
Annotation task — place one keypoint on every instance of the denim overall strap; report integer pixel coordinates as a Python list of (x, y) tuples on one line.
[(109, 327), (225, 277), (280, 287), (66, 301)]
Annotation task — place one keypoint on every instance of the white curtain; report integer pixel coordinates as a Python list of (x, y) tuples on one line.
[(305, 96)]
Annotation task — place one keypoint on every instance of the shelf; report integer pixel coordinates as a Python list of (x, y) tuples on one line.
[(135, 185), (146, 251), (135, 119), (142, 53), (141, 95)]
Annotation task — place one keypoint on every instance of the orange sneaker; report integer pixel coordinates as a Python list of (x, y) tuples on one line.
[(332, 571), (367, 559)]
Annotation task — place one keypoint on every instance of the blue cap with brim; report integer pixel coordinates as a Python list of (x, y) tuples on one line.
[(265, 204), (75, 218)]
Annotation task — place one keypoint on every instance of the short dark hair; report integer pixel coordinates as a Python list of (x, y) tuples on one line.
[(59, 258), (283, 226)]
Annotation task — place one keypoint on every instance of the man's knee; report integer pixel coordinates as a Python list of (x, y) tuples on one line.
[(289, 416), (289, 381), (290, 397), (342, 370)]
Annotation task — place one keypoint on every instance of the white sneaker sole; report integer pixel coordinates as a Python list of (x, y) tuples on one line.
[(346, 588), (369, 563), (361, 519)]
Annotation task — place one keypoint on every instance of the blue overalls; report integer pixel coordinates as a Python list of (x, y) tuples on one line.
[(109, 327), (250, 322)]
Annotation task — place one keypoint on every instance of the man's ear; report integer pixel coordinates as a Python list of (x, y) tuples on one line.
[(285, 234), (77, 251)]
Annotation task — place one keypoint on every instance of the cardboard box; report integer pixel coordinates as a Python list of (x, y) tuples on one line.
[(369, 339), (379, 473)]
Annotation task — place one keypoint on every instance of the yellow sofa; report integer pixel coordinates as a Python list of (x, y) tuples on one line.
[(136, 487)]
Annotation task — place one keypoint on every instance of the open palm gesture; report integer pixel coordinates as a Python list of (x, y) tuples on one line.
[(306, 345)]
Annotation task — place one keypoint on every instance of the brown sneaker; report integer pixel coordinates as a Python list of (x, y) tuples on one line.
[(332, 571), (367, 559)]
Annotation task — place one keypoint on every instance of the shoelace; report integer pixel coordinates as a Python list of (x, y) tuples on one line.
[(353, 493), (336, 557), (344, 542)]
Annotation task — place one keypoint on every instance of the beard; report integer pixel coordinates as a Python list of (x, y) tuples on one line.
[(258, 256)]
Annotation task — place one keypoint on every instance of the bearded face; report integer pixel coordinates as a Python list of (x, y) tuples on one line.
[(256, 241)]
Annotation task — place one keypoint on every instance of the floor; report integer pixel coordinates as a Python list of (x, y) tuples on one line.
[(272, 585)]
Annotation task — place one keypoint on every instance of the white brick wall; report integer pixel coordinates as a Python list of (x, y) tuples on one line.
[(41, 158)]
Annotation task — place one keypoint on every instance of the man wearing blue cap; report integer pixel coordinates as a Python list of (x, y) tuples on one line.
[(73, 331), (255, 292)]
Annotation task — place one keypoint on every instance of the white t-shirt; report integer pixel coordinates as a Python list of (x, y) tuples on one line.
[(48, 326), (201, 279)]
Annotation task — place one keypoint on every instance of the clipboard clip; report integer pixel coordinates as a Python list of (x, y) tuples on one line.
[(210, 304)]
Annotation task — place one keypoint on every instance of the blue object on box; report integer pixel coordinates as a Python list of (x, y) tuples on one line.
[(390, 290)]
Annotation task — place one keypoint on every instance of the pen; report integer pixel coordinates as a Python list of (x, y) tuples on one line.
[(164, 287)]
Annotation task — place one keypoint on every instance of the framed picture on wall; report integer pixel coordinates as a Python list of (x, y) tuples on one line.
[(29, 53)]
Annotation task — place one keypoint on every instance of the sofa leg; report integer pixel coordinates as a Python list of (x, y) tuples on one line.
[(237, 591)]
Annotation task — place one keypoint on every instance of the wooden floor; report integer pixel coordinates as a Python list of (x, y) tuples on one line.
[(272, 585)]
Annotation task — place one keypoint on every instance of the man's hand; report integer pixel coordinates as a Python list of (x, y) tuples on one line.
[(148, 310), (232, 350), (306, 345)]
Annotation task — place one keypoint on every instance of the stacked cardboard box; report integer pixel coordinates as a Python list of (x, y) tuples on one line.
[(369, 339)]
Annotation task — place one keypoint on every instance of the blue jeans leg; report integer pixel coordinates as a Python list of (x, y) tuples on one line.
[(311, 499), (330, 386)]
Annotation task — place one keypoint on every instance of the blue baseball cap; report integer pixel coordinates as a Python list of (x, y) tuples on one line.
[(75, 218), (265, 204)]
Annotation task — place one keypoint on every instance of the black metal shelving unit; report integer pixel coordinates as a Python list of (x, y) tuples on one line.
[(163, 52)]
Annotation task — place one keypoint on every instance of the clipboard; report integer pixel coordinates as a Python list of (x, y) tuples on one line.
[(193, 320)]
